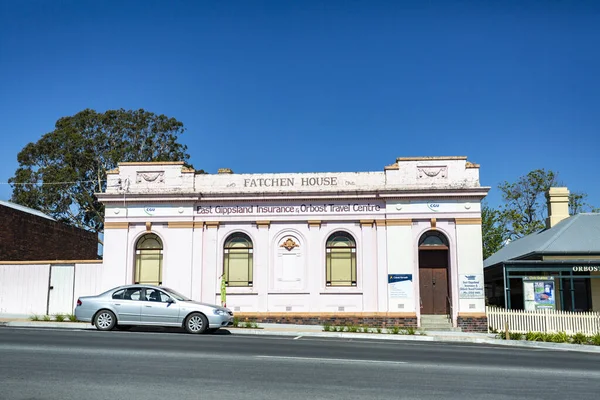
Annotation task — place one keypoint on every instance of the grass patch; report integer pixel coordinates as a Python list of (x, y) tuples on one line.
[(46, 318), (34, 317), (59, 317)]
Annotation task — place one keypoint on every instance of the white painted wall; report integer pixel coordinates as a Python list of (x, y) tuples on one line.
[(118, 258), (401, 260), (469, 259), (24, 288), (88, 280)]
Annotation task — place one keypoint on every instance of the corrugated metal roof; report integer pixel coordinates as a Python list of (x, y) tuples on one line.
[(25, 209), (577, 234)]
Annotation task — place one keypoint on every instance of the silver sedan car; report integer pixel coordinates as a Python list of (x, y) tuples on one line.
[(136, 305)]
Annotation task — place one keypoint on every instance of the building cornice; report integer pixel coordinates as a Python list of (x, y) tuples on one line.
[(477, 193)]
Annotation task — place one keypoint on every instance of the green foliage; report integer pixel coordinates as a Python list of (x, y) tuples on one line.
[(493, 231), (516, 336), (595, 340), (34, 317), (72, 318), (524, 206), (250, 325), (46, 318), (560, 337), (579, 338), (59, 317), (410, 331), (80, 150), (534, 336), (236, 322), (327, 327), (394, 330)]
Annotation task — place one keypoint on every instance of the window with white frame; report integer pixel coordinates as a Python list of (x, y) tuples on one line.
[(148, 260), (340, 260), (237, 260)]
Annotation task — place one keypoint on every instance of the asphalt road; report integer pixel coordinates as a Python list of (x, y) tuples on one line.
[(67, 364)]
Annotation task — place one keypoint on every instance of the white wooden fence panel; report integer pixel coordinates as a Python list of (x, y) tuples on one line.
[(547, 321)]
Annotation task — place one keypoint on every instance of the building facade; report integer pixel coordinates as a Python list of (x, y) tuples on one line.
[(565, 255), (361, 247)]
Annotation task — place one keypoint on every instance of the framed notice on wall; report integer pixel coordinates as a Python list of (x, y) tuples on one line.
[(400, 286), (538, 293), (470, 286)]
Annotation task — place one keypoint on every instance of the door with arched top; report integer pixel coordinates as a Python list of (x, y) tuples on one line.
[(433, 273)]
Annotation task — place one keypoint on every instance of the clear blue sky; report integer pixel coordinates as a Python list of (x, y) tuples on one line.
[(295, 86)]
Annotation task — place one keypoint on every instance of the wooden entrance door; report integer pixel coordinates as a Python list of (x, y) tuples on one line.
[(433, 284)]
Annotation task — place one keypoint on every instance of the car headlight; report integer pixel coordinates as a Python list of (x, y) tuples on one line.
[(219, 312)]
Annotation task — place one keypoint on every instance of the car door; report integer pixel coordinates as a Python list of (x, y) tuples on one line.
[(128, 305), (158, 308)]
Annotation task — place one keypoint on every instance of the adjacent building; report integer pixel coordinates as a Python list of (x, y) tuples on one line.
[(565, 257), (30, 235), (384, 247)]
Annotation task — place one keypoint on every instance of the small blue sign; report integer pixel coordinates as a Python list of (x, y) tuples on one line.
[(393, 278)]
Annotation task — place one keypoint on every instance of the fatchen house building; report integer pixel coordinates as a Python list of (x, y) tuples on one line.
[(389, 247)]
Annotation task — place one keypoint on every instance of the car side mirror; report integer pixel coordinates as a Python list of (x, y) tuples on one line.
[(170, 300)]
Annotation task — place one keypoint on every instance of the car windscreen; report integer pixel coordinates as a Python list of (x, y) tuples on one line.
[(175, 295)]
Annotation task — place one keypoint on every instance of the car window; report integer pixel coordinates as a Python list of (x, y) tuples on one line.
[(156, 295), (118, 294), (132, 294), (175, 295)]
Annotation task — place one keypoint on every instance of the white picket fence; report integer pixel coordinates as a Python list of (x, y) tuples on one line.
[(547, 321)]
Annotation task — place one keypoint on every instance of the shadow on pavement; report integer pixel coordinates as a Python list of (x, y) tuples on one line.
[(219, 332)]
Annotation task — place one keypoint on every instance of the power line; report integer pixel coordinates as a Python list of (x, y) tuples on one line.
[(49, 183)]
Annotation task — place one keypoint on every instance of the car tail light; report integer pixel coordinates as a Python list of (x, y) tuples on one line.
[(78, 302)]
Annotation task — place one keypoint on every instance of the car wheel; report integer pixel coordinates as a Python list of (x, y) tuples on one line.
[(196, 323), (105, 320)]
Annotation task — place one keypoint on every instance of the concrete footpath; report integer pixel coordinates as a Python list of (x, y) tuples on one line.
[(299, 331)]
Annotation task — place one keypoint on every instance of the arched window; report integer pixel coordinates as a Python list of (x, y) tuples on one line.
[(237, 260), (148, 260), (341, 260), (433, 240)]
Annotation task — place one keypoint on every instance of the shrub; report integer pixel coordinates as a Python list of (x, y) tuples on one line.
[(534, 336), (34, 317), (560, 337), (236, 322), (59, 317), (46, 318), (411, 331), (394, 330), (327, 327), (579, 338), (595, 340), (72, 318), (516, 336)]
